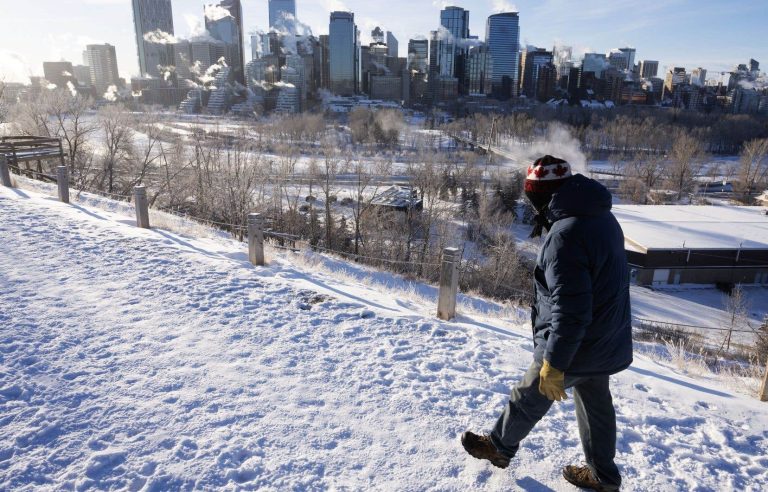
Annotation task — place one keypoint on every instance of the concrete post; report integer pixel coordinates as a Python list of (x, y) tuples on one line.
[(5, 173), (142, 206), (62, 178), (256, 239), (764, 387), (449, 284)]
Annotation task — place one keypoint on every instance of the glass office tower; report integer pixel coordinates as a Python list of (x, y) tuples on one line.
[(502, 36), (229, 30), (150, 16), (342, 51)]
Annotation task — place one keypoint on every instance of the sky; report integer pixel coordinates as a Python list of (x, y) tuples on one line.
[(713, 34)]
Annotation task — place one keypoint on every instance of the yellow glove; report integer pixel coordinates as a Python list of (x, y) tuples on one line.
[(552, 382)]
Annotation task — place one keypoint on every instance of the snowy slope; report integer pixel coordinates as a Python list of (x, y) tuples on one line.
[(145, 360)]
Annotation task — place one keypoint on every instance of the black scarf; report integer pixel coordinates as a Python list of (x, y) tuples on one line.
[(541, 222), (540, 202)]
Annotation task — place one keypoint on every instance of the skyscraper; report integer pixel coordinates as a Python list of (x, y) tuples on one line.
[(502, 36), (699, 77), (154, 48), (59, 73), (630, 56), (595, 63), (456, 21), (342, 39), (224, 21), (278, 9), (452, 50), (533, 62), (393, 46), (649, 69), (418, 54), (103, 62)]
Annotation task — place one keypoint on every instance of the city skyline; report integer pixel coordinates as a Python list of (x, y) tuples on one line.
[(678, 33)]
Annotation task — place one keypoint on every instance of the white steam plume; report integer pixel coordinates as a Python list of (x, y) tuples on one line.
[(13, 67), (72, 89), (503, 6), (111, 94), (160, 37), (215, 12), (294, 34), (558, 142), (758, 84)]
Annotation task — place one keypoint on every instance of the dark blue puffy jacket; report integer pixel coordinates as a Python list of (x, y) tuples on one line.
[(581, 314)]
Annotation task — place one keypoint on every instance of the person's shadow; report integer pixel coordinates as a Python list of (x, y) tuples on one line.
[(531, 484)]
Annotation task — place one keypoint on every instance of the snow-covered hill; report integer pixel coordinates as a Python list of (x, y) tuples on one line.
[(146, 360)]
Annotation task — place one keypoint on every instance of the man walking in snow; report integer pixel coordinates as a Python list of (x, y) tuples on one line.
[(581, 324)]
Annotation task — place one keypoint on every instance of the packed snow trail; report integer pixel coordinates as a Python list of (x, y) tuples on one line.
[(143, 360)]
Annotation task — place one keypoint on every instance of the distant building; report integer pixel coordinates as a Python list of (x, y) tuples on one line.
[(294, 73), (193, 58), (153, 26), (675, 77), (324, 61), (532, 63), (386, 87), (649, 69), (418, 55), (480, 71), (60, 73), (83, 74), (278, 9), (103, 63), (288, 99), (343, 53), (224, 22), (503, 42), (453, 50), (220, 99), (629, 56), (595, 63), (699, 77), (393, 46), (619, 60)]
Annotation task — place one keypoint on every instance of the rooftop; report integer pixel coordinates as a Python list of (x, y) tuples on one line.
[(692, 227)]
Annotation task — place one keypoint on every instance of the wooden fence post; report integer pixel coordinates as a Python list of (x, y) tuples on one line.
[(62, 179), (5, 173), (764, 387), (449, 284), (256, 239), (142, 206)]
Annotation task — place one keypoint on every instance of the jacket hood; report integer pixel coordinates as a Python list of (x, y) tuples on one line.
[(579, 197)]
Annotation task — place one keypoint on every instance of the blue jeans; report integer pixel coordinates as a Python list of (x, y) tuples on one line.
[(594, 413)]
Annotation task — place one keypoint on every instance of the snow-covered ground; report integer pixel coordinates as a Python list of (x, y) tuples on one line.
[(149, 360)]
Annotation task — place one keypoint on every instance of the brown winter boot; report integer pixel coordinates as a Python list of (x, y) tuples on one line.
[(582, 476), (482, 448)]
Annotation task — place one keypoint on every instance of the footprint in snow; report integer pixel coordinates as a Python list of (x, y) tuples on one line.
[(641, 387)]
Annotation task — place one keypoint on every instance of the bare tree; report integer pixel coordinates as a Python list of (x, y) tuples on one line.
[(737, 315), (117, 141), (685, 162), (72, 123), (328, 170), (365, 192), (753, 170)]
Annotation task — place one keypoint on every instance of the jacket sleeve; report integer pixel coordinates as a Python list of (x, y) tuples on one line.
[(568, 277)]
